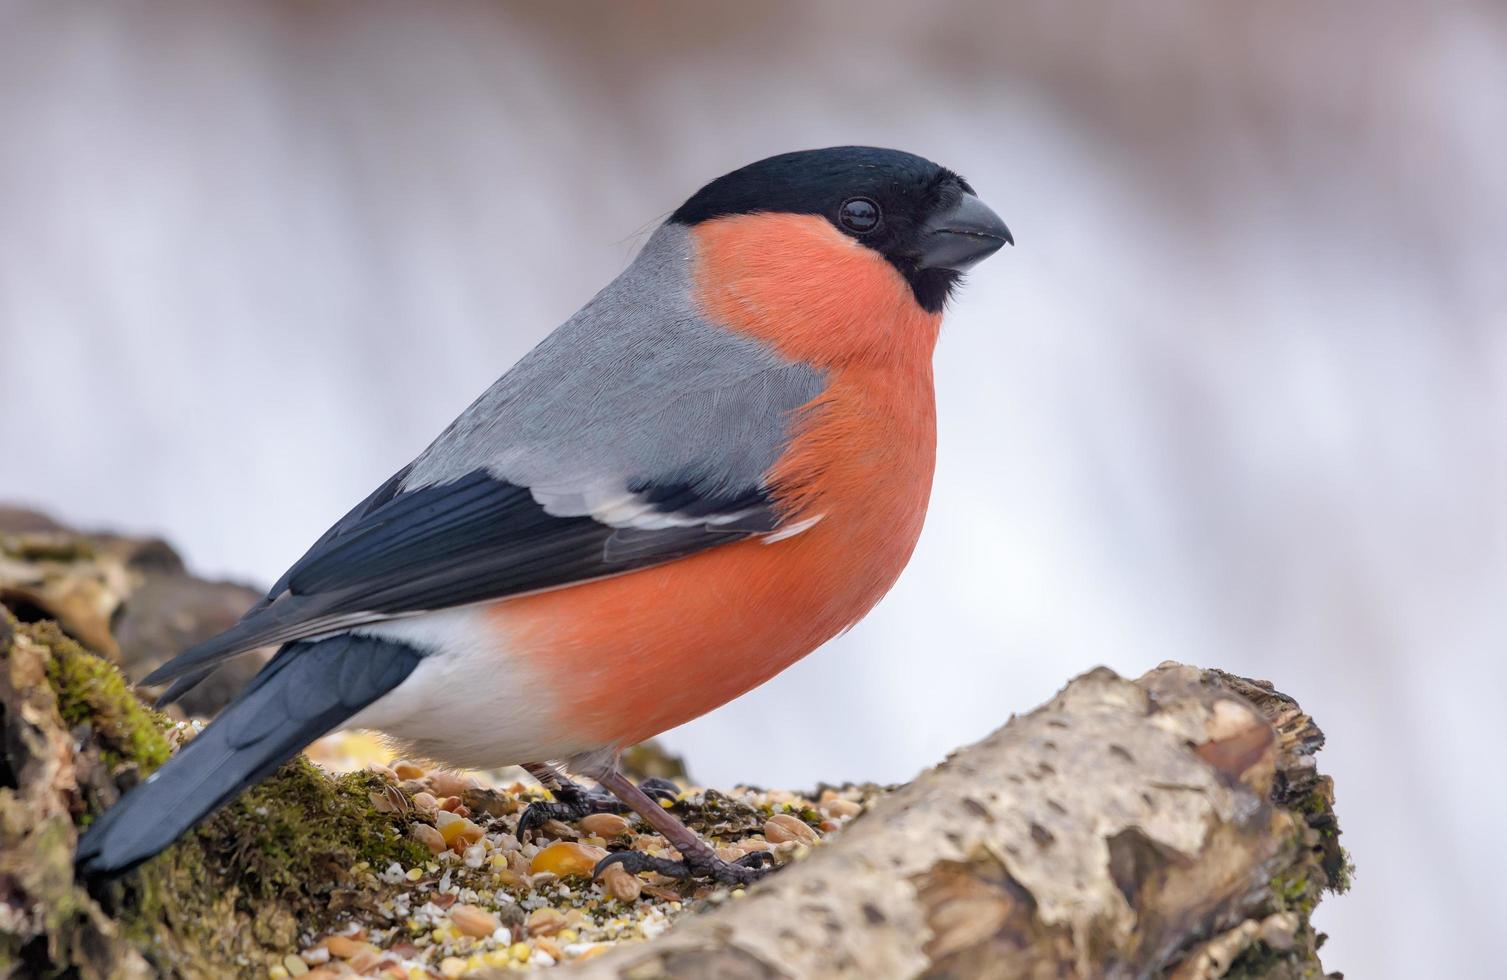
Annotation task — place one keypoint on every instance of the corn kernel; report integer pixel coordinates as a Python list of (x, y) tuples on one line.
[(567, 859)]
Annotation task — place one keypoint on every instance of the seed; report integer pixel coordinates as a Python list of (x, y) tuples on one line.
[(365, 960), (545, 922), (550, 948), (836, 808), (617, 882), (407, 770), (454, 828), (425, 802), (452, 966), (475, 922), (784, 827), (606, 825), (316, 956), (295, 966), (429, 837), (345, 947), (567, 859), (556, 829)]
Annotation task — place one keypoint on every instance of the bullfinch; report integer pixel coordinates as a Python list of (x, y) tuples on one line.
[(720, 462)]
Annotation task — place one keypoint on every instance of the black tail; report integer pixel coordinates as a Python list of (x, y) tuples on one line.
[(308, 689)]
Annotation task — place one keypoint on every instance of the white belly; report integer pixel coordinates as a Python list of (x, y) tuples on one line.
[(469, 703)]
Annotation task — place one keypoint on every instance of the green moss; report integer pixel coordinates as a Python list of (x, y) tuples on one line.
[(264, 869), (1294, 890), (301, 820), (240, 888), (90, 690)]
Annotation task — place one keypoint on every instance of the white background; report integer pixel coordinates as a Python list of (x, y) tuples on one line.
[(1236, 398)]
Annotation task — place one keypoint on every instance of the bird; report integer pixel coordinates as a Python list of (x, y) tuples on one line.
[(720, 462)]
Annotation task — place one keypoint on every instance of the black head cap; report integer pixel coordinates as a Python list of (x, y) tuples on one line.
[(896, 203)]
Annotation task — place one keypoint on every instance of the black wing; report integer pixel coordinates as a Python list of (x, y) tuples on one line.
[(450, 544)]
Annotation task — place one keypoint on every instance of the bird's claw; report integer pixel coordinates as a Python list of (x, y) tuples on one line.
[(660, 789), (745, 871), (572, 802)]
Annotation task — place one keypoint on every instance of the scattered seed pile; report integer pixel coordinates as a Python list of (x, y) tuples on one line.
[(487, 899)]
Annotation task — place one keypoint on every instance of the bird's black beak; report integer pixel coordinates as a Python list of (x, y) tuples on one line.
[(961, 236)]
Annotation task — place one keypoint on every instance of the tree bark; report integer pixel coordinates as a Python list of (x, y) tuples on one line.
[(1174, 825)]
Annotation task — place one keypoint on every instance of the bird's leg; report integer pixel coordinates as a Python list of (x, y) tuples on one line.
[(699, 860), (574, 801)]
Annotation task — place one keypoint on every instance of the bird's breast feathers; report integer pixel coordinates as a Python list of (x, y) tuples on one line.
[(640, 653)]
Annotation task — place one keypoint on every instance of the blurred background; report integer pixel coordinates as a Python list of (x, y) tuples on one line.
[(1238, 397)]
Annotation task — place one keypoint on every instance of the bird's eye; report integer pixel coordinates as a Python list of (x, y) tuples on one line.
[(859, 215)]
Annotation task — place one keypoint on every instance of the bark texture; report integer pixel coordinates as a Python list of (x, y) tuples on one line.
[(1173, 825)]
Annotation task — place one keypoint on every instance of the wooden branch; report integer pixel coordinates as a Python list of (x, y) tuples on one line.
[(1174, 823)]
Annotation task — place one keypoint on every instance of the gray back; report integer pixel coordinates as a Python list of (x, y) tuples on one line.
[(636, 388)]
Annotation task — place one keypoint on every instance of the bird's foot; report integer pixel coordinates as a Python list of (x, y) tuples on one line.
[(698, 863), (573, 801)]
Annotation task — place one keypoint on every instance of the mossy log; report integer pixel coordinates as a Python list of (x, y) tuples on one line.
[(245, 884), (1175, 825)]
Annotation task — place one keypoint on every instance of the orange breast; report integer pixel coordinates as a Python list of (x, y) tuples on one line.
[(643, 652)]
